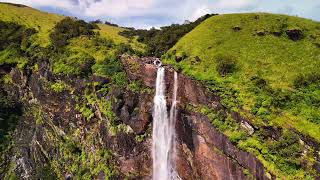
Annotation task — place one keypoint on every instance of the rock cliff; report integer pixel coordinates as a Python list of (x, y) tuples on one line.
[(55, 132)]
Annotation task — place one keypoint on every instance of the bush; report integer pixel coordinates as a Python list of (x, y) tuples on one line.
[(288, 148), (259, 82), (58, 87), (124, 48), (69, 28), (10, 111), (98, 42), (109, 67), (225, 64), (11, 33), (79, 63), (280, 98), (306, 80)]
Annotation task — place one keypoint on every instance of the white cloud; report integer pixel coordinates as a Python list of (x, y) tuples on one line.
[(233, 4), (148, 13), (115, 8), (200, 11), (64, 4)]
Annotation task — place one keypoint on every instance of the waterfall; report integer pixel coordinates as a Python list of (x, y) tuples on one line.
[(163, 135)]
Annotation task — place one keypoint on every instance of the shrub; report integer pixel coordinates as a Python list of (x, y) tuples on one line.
[(124, 48), (10, 111), (58, 87), (12, 33), (225, 64), (306, 80), (110, 24), (97, 41), (120, 79), (259, 82), (69, 28), (79, 63), (288, 148), (108, 67), (280, 98)]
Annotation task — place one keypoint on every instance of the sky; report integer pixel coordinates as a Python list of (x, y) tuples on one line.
[(156, 13)]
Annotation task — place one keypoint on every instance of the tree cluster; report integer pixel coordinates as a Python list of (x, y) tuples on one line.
[(14, 34), (69, 28), (159, 41)]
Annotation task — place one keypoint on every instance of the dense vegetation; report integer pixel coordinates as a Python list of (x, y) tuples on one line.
[(14, 40), (72, 48), (70, 28), (10, 111), (159, 41), (265, 67)]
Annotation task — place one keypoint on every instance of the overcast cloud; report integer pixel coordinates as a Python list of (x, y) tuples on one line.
[(156, 13)]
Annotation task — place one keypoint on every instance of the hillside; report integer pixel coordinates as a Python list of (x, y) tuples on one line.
[(44, 23), (71, 62), (264, 66), (76, 97)]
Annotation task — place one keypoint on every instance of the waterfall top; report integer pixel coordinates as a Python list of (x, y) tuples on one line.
[(157, 62)]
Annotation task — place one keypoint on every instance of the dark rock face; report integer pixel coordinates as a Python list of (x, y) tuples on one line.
[(202, 151), (134, 110), (295, 34)]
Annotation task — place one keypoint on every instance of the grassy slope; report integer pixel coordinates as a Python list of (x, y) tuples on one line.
[(77, 47), (44, 22), (278, 60)]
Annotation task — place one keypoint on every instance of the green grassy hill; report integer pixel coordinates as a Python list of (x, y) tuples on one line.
[(72, 49), (44, 23), (104, 45), (265, 66)]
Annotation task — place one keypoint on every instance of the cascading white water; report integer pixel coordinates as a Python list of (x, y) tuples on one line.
[(172, 123), (163, 135)]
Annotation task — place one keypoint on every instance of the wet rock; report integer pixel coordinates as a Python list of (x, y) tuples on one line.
[(295, 34)]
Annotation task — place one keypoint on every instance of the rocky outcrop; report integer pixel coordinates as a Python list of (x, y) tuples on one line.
[(52, 122), (134, 109), (204, 153)]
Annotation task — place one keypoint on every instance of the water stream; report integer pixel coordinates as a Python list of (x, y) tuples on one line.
[(163, 134)]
